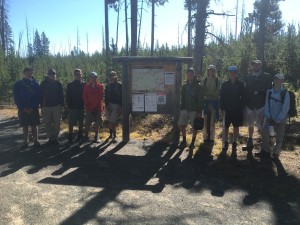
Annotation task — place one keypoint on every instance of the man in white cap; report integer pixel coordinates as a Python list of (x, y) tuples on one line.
[(257, 85), (276, 112)]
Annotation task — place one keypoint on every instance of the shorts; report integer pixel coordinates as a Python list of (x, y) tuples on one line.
[(32, 119), (255, 116), (114, 113), (235, 118), (185, 117), (95, 117), (76, 116)]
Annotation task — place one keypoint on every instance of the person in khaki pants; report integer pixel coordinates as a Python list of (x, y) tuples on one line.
[(52, 103)]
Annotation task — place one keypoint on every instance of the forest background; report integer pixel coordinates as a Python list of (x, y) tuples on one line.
[(262, 36)]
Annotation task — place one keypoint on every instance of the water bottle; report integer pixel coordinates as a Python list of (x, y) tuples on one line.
[(272, 132)]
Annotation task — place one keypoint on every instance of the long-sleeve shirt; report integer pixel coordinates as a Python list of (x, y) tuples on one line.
[(113, 93), (275, 109), (93, 97), (27, 94), (74, 95), (52, 93), (232, 96), (192, 96)]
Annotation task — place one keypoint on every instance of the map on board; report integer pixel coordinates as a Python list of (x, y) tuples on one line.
[(148, 79)]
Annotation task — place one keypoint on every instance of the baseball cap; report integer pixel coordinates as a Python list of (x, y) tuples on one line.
[(51, 72), (113, 74), (232, 69), (211, 67), (191, 69), (93, 74), (256, 61), (77, 70), (279, 76)]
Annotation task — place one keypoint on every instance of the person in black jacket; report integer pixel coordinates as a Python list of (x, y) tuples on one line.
[(52, 104), (113, 104), (232, 98), (75, 104)]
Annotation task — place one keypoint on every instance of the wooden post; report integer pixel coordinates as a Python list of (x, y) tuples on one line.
[(125, 102), (177, 102)]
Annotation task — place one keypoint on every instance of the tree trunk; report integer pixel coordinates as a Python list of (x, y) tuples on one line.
[(189, 28), (200, 36), (126, 28), (152, 27), (262, 32), (118, 21), (133, 27), (140, 23), (106, 30)]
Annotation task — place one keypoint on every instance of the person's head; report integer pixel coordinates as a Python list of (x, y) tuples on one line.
[(93, 77), (113, 76), (51, 74), (27, 72), (256, 66), (190, 74), (278, 80), (211, 70), (232, 72), (78, 74)]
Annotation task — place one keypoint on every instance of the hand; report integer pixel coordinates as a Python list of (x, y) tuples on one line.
[(223, 112)]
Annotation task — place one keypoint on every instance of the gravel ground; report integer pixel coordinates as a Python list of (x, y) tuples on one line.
[(139, 182)]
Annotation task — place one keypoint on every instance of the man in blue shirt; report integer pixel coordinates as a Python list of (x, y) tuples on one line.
[(27, 96)]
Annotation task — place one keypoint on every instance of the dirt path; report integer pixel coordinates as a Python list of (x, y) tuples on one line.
[(139, 183)]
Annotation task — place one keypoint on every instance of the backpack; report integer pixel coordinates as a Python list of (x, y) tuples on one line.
[(293, 109), (216, 81)]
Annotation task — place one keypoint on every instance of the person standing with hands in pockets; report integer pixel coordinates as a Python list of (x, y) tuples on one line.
[(93, 97)]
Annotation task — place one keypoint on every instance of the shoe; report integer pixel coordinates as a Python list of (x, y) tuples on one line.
[(250, 156), (115, 140), (79, 137), (233, 155), (49, 142), (223, 154), (25, 145), (250, 143), (182, 144), (56, 141), (36, 144), (97, 140)]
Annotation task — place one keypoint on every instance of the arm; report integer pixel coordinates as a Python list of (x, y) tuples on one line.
[(283, 114)]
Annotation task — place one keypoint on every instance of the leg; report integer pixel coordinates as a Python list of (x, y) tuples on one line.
[(26, 134), (234, 139), (212, 124), (56, 121), (279, 128)]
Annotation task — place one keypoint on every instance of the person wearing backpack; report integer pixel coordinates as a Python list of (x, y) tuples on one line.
[(276, 113), (211, 84)]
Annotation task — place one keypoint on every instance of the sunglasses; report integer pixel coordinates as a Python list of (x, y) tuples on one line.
[(52, 74)]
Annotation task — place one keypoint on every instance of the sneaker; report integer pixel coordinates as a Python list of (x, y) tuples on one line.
[(233, 155), (97, 140), (56, 141), (49, 142), (36, 144), (250, 143), (115, 140), (182, 144), (25, 145)]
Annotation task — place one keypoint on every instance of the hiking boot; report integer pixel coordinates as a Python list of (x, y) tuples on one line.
[(49, 142), (224, 151), (56, 141), (97, 140), (192, 145), (233, 152), (24, 145), (115, 140), (182, 144), (250, 143), (36, 144), (70, 139)]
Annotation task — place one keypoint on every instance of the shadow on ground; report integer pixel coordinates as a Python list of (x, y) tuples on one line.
[(104, 166)]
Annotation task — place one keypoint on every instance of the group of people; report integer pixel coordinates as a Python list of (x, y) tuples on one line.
[(253, 101), (84, 102), (256, 100)]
